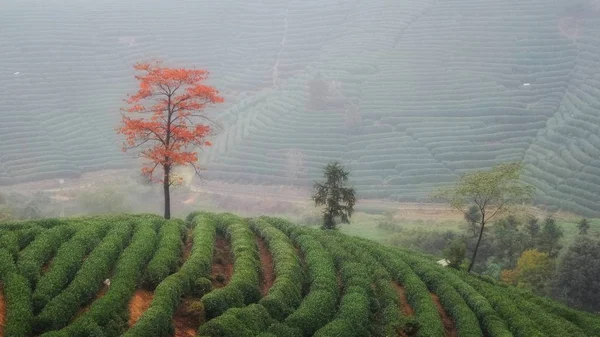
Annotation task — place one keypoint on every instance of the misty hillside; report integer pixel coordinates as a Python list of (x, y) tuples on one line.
[(419, 91)]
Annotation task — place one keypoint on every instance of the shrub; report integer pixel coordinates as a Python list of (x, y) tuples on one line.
[(66, 263), (32, 258), (166, 259), (156, 321), (19, 313), (59, 311), (111, 309), (243, 286)]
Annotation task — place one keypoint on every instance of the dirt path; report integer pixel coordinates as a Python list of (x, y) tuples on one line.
[(449, 327), (406, 309), (2, 311), (139, 303), (187, 249), (188, 317), (222, 267), (266, 262)]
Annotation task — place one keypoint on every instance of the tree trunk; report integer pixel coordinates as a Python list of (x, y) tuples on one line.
[(167, 193), (476, 247)]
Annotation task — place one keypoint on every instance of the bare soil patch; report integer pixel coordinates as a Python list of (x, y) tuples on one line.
[(266, 262), (188, 317), (187, 249), (449, 327), (139, 303), (406, 309)]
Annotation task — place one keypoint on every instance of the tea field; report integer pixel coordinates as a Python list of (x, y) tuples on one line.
[(222, 275)]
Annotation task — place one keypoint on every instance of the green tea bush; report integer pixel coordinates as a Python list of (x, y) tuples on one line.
[(243, 286), (166, 259), (40, 251), (286, 293), (111, 309), (66, 263), (157, 320), (59, 311)]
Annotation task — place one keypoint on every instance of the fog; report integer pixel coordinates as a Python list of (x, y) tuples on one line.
[(408, 94)]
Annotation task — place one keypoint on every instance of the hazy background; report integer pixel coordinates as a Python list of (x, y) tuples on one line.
[(417, 91)]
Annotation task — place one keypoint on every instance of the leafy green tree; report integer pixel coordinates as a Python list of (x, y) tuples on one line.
[(583, 226), (508, 240), (549, 238), (534, 269), (577, 274), (473, 217), (492, 191), (533, 229), (455, 253), (335, 195)]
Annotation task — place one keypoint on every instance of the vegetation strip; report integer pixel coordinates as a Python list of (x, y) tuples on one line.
[(281, 300), (110, 311), (40, 251), (157, 321), (166, 259), (407, 310), (450, 329), (66, 263), (2, 311), (88, 280), (243, 288), (381, 290)]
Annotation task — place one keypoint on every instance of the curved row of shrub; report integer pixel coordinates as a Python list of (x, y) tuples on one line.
[(40, 251), (166, 259), (352, 317), (243, 288), (110, 312), (282, 299), (426, 313), (17, 294), (157, 320), (385, 317), (66, 263), (465, 319), (88, 280), (319, 305)]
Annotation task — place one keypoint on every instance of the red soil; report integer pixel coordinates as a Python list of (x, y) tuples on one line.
[(186, 319), (139, 303), (266, 261), (406, 309), (222, 267), (449, 327), (2, 311)]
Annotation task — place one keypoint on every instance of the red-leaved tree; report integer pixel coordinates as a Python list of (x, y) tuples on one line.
[(165, 120)]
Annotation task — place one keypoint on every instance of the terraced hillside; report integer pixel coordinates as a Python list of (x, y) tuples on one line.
[(221, 275), (421, 91)]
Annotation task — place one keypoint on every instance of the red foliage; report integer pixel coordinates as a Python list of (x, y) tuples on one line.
[(161, 116)]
